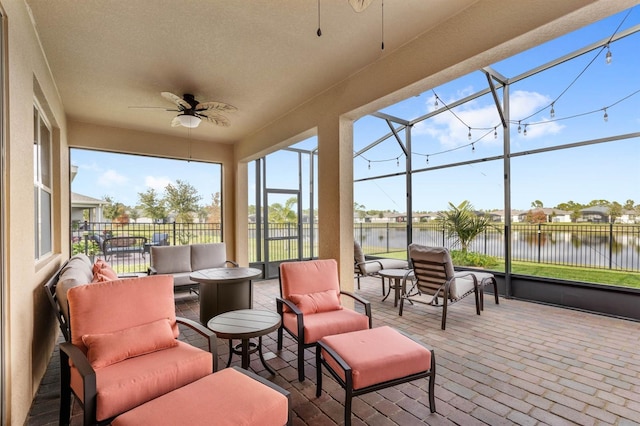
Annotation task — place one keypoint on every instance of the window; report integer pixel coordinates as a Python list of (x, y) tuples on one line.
[(42, 185)]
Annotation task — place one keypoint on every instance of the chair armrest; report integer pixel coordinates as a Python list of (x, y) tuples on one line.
[(152, 271), (78, 358), (235, 264), (290, 305), (364, 302), (462, 274), (70, 352), (206, 333), (367, 262)]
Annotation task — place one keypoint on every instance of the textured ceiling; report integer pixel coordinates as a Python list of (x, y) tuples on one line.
[(261, 56)]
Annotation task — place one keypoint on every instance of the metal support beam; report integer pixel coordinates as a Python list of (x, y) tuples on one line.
[(495, 99)]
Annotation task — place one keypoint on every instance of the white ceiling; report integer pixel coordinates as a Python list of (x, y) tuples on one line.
[(262, 56)]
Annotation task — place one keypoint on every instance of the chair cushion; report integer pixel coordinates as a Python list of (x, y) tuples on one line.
[(322, 301), (464, 285), (439, 255), (76, 272), (123, 304), (226, 398), (134, 381), (375, 265), (311, 276), (377, 355), (182, 278), (102, 271), (358, 254), (170, 259), (108, 348), (316, 326), (205, 256)]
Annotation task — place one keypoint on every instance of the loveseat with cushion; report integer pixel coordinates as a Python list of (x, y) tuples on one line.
[(181, 261)]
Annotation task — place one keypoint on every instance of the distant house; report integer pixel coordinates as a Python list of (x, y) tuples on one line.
[(552, 215), (596, 214), (81, 203), (629, 216)]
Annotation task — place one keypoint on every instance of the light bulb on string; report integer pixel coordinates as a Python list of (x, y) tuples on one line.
[(398, 161), (369, 165), (469, 135), (606, 116), (435, 104), (495, 132), (607, 57), (525, 130), (427, 159), (552, 113), (473, 147), (519, 128)]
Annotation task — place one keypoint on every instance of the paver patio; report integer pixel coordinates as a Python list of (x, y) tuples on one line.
[(517, 363)]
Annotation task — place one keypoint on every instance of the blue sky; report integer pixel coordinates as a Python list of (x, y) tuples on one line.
[(122, 177), (580, 89)]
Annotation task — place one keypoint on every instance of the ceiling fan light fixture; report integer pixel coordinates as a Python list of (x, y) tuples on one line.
[(190, 121)]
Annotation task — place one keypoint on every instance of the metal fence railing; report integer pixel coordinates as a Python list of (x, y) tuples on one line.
[(599, 246), (87, 237)]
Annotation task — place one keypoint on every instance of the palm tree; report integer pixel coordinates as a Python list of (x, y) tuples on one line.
[(463, 224)]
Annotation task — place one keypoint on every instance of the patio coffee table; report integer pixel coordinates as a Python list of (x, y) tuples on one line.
[(244, 325), (397, 275), (224, 289)]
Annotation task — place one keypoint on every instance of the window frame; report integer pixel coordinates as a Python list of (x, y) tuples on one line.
[(43, 247)]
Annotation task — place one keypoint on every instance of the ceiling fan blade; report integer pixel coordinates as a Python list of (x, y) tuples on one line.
[(360, 5), (175, 122), (215, 106), (215, 118), (176, 100)]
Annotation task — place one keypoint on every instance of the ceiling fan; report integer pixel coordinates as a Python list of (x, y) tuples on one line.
[(360, 5), (192, 112)]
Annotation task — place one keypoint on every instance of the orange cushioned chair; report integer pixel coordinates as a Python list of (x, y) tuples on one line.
[(310, 305), (124, 349)]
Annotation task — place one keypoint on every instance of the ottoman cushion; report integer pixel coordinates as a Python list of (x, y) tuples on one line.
[(377, 355), (225, 398)]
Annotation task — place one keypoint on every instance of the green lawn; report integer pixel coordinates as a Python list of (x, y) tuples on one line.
[(570, 273)]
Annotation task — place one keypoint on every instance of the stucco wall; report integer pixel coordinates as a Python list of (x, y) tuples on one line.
[(30, 326)]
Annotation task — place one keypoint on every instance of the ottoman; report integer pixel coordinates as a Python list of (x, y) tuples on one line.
[(369, 360), (229, 397)]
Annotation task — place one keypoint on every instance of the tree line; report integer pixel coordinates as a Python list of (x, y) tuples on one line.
[(180, 201)]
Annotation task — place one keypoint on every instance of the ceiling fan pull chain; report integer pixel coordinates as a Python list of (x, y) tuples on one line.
[(319, 32), (382, 45)]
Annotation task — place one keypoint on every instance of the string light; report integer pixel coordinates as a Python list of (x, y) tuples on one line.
[(552, 113), (427, 159), (495, 132), (469, 135), (606, 116), (435, 105), (473, 147), (525, 130), (369, 164), (607, 57), (398, 161), (519, 128)]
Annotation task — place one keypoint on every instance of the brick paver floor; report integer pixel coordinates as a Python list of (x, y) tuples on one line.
[(518, 363)]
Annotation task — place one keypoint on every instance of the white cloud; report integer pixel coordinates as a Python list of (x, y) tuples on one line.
[(157, 182), (451, 129), (112, 178)]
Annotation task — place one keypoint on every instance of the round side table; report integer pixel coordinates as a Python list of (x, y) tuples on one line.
[(245, 324)]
